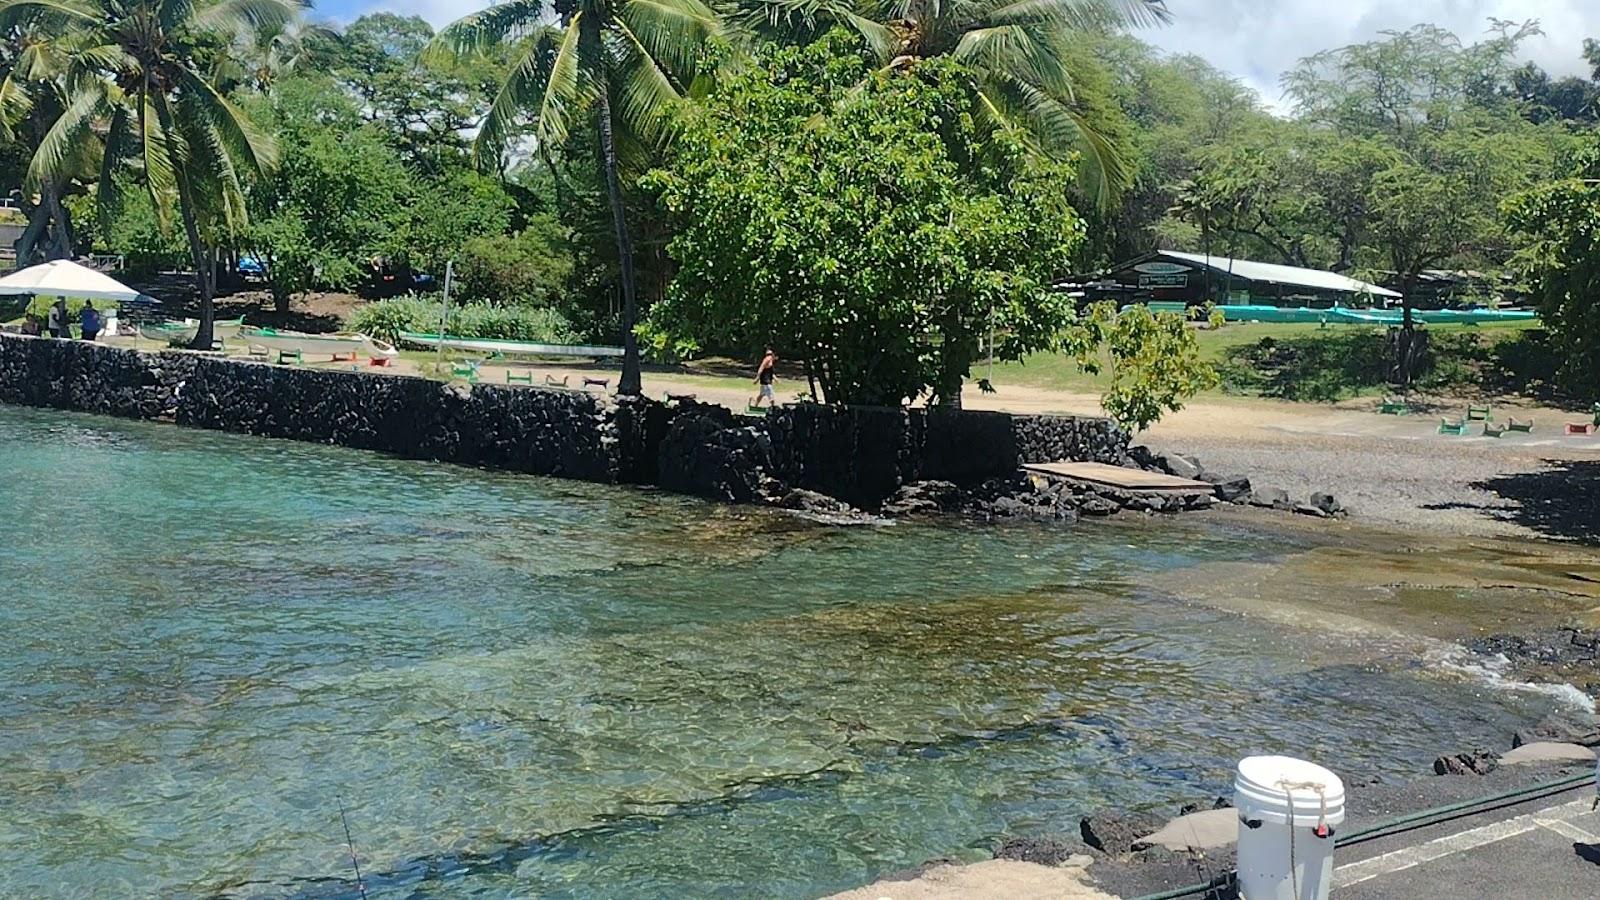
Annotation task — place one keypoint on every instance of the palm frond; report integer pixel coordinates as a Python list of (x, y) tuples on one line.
[(119, 144), (1055, 128), (1019, 52), (649, 96), (784, 19), (242, 139), (234, 16), (522, 87), (673, 33), (73, 125), (1076, 15), (15, 104), (158, 150), (481, 31), (563, 87), (20, 12)]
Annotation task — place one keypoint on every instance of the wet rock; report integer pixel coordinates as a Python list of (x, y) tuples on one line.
[(1274, 498), (923, 498), (800, 500), (1043, 849), (1233, 488), (1557, 730), (1115, 833), (1327, 503), (1476, 762), (1217, 803), (1097, 506)]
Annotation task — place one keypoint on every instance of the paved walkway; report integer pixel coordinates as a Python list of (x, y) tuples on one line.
[(1550, 853)]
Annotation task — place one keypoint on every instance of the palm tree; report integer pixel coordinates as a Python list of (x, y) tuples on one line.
[(262, 56), (1021, 50), (630, 62), (31, 85), (137, 84)]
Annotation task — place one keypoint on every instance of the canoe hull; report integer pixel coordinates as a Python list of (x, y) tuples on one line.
[(509, 348), (318, 344)]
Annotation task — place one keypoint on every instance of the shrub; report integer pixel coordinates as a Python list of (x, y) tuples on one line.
[(529, 268), (385, 319)]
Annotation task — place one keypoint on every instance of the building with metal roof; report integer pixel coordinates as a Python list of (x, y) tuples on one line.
[(1194, 278)]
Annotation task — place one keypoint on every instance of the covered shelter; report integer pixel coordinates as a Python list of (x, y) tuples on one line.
[(65, 278), (1170, 276)]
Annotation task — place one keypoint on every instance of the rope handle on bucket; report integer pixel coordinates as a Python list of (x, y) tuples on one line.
[(1322, 830)]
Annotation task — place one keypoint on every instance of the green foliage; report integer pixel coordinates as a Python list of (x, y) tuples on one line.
[(132, 229), (445, 213), (336, 199), (529, 268), (864, 222), (1561, 221), (1155, 366), (658, 345), (385, 319)]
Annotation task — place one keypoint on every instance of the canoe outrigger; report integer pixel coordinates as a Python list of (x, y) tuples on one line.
[(335, 346), (507, 347), (183, 331)]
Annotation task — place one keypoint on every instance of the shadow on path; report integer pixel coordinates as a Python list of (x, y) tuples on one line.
[(1561, 501)]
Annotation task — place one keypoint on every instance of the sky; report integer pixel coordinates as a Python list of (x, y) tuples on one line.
[(1255, 40)]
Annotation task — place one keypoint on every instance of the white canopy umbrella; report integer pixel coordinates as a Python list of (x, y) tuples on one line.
[(64, 278)]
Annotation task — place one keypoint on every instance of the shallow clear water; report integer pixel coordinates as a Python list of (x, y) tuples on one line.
[(526, 687)]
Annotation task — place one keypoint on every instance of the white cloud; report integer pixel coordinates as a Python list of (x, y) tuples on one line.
[(1257, 40)]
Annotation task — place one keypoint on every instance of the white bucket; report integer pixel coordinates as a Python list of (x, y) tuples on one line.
[(1284, 854)]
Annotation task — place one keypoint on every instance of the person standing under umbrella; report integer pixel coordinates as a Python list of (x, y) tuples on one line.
[(57, 321), (90, 321)]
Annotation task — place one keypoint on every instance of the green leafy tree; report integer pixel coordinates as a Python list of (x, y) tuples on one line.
[(626, 62), (529, 268), (1561, 222), (34, 83), (1031, 75), (874, 225), (143, 89), (336, 199)]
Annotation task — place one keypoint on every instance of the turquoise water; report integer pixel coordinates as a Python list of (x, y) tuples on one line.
[(525, 687)]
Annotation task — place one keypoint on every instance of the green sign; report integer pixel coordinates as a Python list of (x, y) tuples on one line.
[(1163, 281)]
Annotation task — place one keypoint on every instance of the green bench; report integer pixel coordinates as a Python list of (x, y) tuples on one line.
[(1395, 407), (286, 357), (1479, 414), (1446, 426), (525, 378), (1513, 425)]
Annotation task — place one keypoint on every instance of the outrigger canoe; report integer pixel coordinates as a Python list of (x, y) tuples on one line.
[(508, 348), (331, 345), (183, 331)]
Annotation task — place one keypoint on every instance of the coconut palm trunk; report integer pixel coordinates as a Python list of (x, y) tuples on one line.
[(631, 382), (191, 229)]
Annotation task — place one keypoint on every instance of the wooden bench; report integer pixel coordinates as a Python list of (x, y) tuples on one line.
[(1479, 414), (525, 378), (1494, 431), (603, 384), (1513, 425), (286, 357), (550, 380)]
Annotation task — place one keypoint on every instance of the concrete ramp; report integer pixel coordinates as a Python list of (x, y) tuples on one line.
[(1132, 480)]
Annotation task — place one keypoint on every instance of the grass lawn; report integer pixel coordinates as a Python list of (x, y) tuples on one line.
[(1057, 372)]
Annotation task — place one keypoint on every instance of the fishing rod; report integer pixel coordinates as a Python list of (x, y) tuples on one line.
[(360, 886)]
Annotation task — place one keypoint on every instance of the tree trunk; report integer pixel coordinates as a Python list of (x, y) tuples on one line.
[(191, 227), (60, 246), (1405, 355), (631, 382)]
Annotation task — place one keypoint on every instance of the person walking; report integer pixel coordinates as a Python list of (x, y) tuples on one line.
[(90, 322), (766, 374), (57, 320)]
